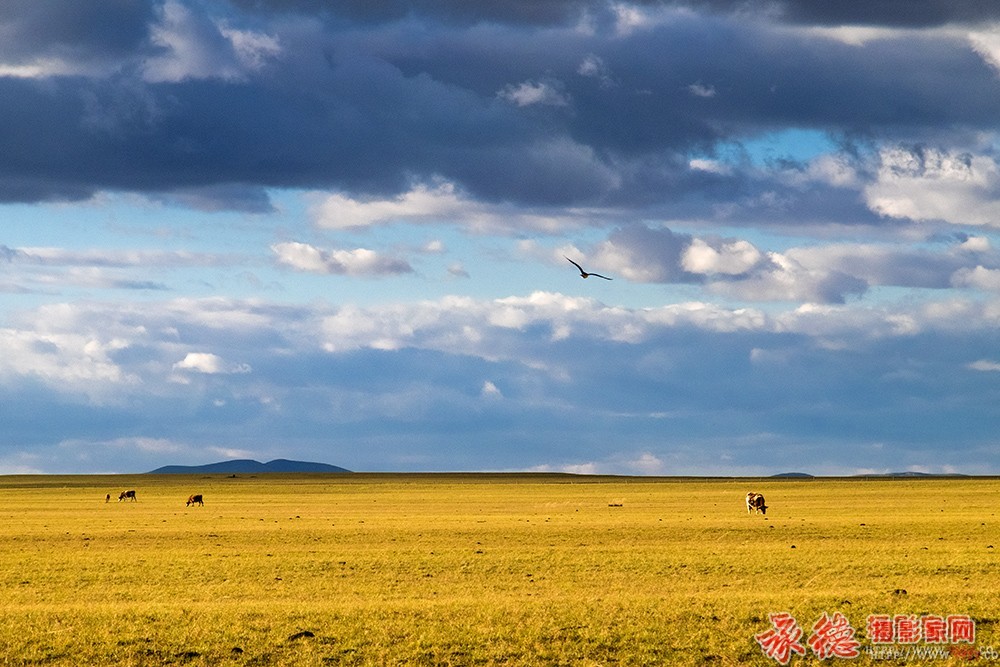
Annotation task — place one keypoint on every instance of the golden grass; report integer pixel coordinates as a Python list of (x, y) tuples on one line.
[(474, 569)]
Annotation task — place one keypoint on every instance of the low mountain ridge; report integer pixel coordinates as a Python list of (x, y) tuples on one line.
[(248, 467)]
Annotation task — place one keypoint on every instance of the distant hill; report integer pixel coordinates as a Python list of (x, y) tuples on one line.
[(248, 467), (911, 473), (893, 475)]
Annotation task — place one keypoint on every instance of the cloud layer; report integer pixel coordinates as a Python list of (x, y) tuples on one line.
[(480, 383), (189, 96), (338, 232)]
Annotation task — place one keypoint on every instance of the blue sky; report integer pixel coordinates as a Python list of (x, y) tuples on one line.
[(338, 231)]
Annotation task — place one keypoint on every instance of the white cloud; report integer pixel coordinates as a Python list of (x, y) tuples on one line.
[(81, 349), (440, 203), (978, 244), (640, 254), (195, 47), (708, 316), (647, 464), (927, 184), (490, 391), (42, 268), (857, 35), (201, 362), (725, 257), (519, 328), (711, 166), (630, 17), (834, 326), (985, 365), (253, 49), (834, 170), (783, 278), (352, 328), (22, 463), (895, 265), (978, 277), (530, 93), (52, 256), (41, 68), (701, 90), (594, 67), (737, 268), (72, 362), (496, 329), (54, 347), (356, 262), (145, 444), (218, 314), (232, 453), (987, 45), (205, 363), (589, 468)]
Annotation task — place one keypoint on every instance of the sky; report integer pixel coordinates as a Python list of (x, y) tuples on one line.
[(339, 232)]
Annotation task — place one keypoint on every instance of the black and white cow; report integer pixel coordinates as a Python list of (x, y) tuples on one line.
[(127, 495), (195, 500), (755, 503)]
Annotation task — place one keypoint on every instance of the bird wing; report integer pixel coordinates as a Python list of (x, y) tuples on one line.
[(575, 264), (584, 273)]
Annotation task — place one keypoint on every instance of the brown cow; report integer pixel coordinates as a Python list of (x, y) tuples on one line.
[(127, 495), (755, 503), (195, 500)]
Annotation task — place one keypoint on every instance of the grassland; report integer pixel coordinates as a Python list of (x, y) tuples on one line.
[(476, 569)]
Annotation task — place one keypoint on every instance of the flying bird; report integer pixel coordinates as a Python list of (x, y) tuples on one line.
[(584, 274)]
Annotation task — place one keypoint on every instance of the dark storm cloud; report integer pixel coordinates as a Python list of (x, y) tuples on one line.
[(543, 12), (97, 30), (216, 106), (910, 13), (903, 13), (896, 13)]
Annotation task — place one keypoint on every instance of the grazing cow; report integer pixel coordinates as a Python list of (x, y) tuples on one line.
[(755, 503), (127, 495), (195, 500)]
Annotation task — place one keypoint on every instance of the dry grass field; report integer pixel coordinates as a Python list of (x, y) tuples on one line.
[(483, 569)]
